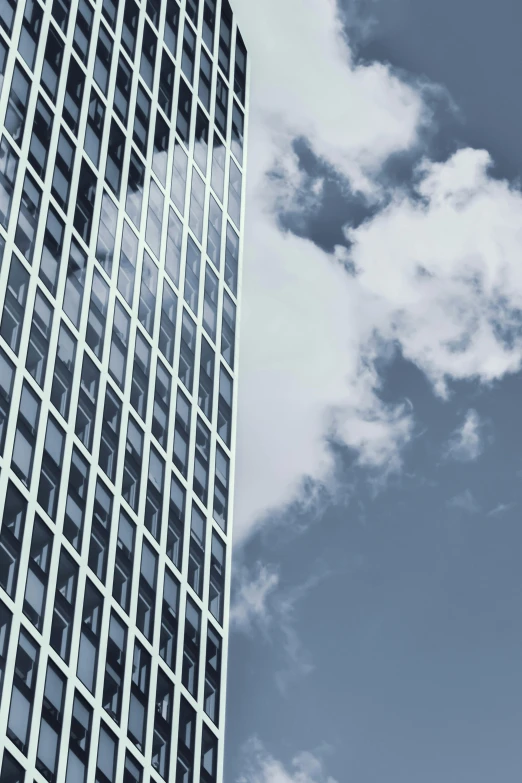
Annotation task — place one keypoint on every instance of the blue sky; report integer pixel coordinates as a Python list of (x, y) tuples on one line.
[(377, 608)]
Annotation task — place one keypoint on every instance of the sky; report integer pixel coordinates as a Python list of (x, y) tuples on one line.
[(377, 587)]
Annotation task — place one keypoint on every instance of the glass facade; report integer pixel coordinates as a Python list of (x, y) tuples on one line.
[(121, 205)]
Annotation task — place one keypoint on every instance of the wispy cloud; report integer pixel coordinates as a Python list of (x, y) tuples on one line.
[(261, 766), (250, 605), (465, 501), (466, 443), (501, 508)]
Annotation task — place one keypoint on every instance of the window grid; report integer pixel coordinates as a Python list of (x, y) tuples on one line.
[(86, 546)]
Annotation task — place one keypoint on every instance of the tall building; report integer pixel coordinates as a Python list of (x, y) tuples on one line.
[(121, 165)]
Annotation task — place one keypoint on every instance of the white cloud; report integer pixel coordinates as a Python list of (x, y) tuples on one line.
[(436, 272), (262, 767), (466, 443), (250, 604), (465, 501)]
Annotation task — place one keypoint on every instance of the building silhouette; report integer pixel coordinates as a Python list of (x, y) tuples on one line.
[(121, 165)]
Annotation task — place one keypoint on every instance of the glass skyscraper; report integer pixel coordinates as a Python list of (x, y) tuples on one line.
[(121, 207)]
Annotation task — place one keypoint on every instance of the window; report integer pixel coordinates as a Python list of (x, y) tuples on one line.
[(225, 406), (90, 636), (132, 772), (130, 26), (25, 437), (50, 475), (189, 674), (102, 63), (24, 685), (168, 322), (140, 376), (60, 12), (234, 193), (206, 379), (240, 69), (123, 90), (122, 584), (209, 23), (106, 764), (39, 337), (41, 137), (188, 54), (182, 433), (140, 133), (128, 260), (85, 202), (201, 141), (147, 591), (176, 522), (217, 578), (210, 302), (51, 723), (196, 566), (8, 168), (17, 105), (218, 166), (221, 110), (94, 128), (72, 104), (153, 8), (139, 696), (82, 30), (75, 283), (86, 409), (64, 606), (11, 537), (170, 35), (115, 153), (63, 168), (110, 434), (187, 349), (8, 14), (197, 205), (148, 55), (11, 772), (201, 461), (135, 189), (52, 64), (173, 255), (110, 11), (231, 259), (166, 85), (162, 725), (225, 35), (52, 250), (154, 218), (97, 314), (179, 177), (100, 531), (106, 232), (238, 129), (221, 488), (7, 372), (192, 11), (28, 215), (208, 756), (132, 467), (212, 675), (119, 345), (160, 414), (184, 111), (186, 741), (79, 741), (5, 632), (14, 304), (169, 620), (160, 149), (63, 371), (114, 668), (149, 285), (76, 500), (154, 500), (205, 78), (192, 271)]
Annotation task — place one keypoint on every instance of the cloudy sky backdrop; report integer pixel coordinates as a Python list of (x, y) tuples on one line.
[(377, 607)]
